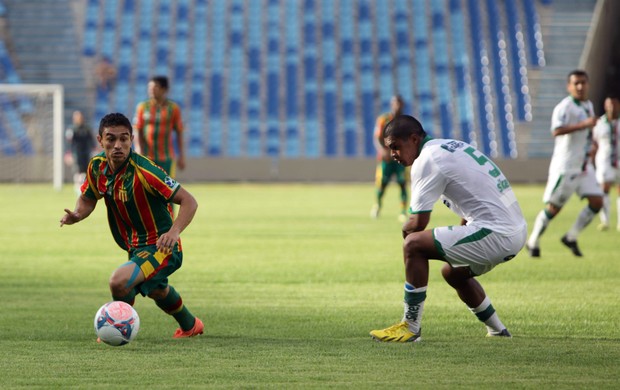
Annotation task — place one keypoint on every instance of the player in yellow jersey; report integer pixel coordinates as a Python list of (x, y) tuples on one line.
[(155, 121), (386, 166)]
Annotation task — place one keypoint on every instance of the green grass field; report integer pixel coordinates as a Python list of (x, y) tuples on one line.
[(289, 280)]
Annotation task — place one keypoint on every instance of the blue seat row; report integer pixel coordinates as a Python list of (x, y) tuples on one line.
[(305, 79)]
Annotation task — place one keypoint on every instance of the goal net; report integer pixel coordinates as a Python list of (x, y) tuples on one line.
[(31, 133)]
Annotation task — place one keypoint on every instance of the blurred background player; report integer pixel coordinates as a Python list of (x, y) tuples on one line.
[(386, 166), (155, 121), (570, 170), (140, 220), (81, 142), (605, 135)]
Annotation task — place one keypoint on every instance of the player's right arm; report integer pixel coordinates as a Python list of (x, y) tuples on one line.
[(83, 208), (585, 124)]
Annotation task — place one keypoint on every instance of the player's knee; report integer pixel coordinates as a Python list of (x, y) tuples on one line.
[(455, 277), (595, 203), (118, 286), (158, 294)]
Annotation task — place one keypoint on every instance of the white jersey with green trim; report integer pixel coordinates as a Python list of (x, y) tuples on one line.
[(570, 150), (606, 134), (468, 182)]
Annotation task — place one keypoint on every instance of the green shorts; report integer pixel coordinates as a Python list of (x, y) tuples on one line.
[(156, 267), (167, 165), (387, 169)]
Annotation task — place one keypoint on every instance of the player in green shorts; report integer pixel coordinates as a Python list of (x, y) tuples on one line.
[(138, 196), (386, 166)]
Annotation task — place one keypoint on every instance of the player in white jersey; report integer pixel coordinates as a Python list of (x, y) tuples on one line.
[(570, 170), (606, 135), (492, 229)]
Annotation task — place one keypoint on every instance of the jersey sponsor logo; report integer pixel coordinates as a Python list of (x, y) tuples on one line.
[(452, 146)]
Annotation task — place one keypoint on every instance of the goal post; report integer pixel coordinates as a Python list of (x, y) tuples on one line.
[(28, 114)]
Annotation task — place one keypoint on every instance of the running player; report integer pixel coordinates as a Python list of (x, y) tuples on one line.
[(605, 134), (386, 167), (570, 170), (155, 121), (137, 194), (492, 229)]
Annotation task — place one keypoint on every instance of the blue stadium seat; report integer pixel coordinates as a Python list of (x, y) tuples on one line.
[(367, 76), (461, 73), (90, 28), (349, 85), (518, 59), (292, 143), (330, 87), (534, 34), (442, 77), (502, 86), (423, 65)]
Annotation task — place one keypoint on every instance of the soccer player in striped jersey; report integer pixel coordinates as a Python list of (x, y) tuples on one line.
[(570, 170), (386, 167), (492, 229), (137, 194), (606, 136), (155, 121)]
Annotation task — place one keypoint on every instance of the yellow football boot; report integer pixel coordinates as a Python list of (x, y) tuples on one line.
[(398, 333)]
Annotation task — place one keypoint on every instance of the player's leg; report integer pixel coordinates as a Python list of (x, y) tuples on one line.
[(417, 249), (470, 291), (402, 182), (618, 206), (381, 182), (155, 267), (471, 251), (589, 189), (605, 210), (123, 281), (170, 301), (558, 190)]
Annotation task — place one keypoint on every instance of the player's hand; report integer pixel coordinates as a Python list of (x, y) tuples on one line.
[(590, 122), (181, 163), (167, 241), (69, 218)]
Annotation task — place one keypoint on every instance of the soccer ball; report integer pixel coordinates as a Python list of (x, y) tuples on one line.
[(117, 323)]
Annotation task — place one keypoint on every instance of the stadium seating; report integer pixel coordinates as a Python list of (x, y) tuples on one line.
[(306, 79)]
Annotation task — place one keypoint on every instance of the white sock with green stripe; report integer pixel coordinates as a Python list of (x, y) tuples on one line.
[(486, 313), (414, 306)]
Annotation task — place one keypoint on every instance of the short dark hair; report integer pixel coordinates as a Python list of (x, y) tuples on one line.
[(162, 81), (403, 126), (578, 73), (114, 119)]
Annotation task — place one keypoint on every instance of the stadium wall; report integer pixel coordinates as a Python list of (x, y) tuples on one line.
[(326, 170)]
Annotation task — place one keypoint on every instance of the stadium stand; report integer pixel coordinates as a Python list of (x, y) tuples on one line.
[(305, 79)]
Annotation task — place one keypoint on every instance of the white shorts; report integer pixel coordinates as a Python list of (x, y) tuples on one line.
[(476, 247), (560, 187), (607, 174)]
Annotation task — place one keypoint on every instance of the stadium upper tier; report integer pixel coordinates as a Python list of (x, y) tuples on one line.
[(307, 78)]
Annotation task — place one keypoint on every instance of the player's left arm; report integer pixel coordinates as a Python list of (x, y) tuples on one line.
[(417, 222), (178, 127), (187, 209)]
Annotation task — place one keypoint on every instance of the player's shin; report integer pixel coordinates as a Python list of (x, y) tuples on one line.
[(486, 314), (173, 304), (414, 306)]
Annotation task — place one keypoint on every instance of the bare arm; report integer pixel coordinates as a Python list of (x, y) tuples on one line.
[(181, 145), (83, 208), (416, 223), (187, 209), (588, 123)]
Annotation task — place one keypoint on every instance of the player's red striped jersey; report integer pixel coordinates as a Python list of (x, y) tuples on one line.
[(382, 120), (137, 197), (157, 122)]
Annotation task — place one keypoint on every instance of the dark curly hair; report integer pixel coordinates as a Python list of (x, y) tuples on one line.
[(114, 119)]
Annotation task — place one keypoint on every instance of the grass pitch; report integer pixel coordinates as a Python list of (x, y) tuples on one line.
[(289, 280)]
